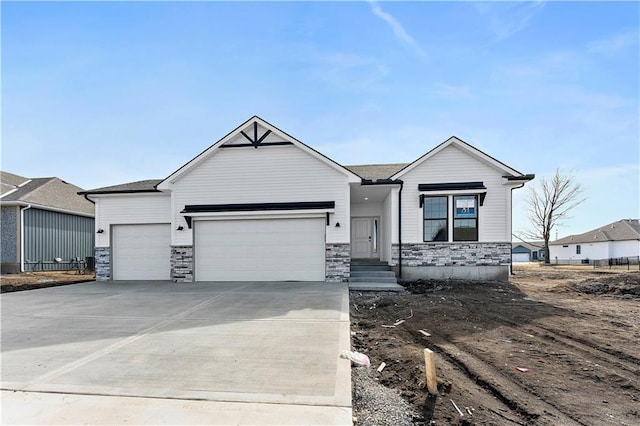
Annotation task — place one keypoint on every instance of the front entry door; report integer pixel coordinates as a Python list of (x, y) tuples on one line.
[(364, 238)]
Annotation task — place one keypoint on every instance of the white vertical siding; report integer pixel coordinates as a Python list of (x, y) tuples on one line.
[(454, 165), (269, 174), (625, 248), (129, 209), (598, 250)]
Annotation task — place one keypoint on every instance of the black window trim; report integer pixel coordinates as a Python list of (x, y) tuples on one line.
[(446, 197), (477, 218)]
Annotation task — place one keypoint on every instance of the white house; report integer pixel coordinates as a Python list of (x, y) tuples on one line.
[(619, 239), (261, 205)]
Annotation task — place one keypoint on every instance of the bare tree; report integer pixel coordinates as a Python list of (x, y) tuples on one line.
[(549, 203)]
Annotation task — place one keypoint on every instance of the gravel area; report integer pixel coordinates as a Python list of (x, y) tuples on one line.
[(375, 404)]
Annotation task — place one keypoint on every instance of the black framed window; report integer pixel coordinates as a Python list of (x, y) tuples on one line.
[(578, 249), (435, 218), (465, 218)]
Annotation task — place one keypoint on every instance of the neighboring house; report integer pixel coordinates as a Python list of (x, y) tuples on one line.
[(43, 219), (615, 240), (261, 205), (527, 252)]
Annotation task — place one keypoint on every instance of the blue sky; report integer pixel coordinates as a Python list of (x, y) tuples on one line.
[(105, 93)]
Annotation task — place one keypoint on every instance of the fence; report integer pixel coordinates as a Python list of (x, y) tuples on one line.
[(78, 264), (628, 263)]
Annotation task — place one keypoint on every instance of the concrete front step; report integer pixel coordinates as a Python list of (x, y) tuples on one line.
[(360, 273), (370, 267), (373, 279), (376, 286)]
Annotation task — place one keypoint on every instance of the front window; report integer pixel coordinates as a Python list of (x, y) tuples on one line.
[(435, 219), (578, 249), (465, 218)]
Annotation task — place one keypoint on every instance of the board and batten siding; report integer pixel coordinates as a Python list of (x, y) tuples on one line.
[(49, 235), (454, 165), (270, 174), (129, 209)]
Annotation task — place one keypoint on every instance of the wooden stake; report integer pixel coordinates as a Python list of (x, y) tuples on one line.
[(430, 370)]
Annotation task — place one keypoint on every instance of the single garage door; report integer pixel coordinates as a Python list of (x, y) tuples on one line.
[(260, 250), (141, 252), (520, 257)]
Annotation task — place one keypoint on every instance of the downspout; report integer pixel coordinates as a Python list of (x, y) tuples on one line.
[(511, 230), (22, 237), (400, 230)]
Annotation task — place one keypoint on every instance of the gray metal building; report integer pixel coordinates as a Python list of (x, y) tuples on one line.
[(44, 223)]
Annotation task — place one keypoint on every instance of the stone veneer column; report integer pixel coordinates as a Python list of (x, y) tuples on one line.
[(182, 264), (337, 262), (103, 263)]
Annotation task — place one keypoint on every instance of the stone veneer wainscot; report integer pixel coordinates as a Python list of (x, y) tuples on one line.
[(337, 262), (103, 263), (453, 254), (182, 264)]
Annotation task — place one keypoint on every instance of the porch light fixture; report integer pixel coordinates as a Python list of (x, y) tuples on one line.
[(179, 228), (366, 198), (337, 224), (100, 231)]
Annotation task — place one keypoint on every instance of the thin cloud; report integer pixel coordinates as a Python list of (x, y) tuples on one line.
[(614, 44), (398, 29), (507, 18)]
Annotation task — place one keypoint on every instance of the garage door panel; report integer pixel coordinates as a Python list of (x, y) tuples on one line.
[(520, 257), (141, 252), (260, 250)]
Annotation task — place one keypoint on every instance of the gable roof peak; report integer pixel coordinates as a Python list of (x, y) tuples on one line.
[(455, 140), (255, 141)]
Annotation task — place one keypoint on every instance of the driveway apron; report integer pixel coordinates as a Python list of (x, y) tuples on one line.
[(176, 353)]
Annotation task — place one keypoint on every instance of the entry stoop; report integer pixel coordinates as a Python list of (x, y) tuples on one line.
[(367, 275)]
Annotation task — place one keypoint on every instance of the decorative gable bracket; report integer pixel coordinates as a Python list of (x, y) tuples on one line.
[(256, 141)]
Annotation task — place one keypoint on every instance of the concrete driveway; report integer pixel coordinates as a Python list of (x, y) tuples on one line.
[(176, 353)]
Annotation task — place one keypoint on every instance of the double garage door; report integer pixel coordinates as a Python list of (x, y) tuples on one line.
[(260, 250), (226, 250)]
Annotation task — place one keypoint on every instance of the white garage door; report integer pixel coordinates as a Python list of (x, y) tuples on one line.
[(520, 257), (260, 250), (141, 252)]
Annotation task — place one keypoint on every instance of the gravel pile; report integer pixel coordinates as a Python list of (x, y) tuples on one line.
[(375, 404)]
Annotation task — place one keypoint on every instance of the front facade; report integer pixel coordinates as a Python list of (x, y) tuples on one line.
[(259, 205), (45, 224), (616, 240)]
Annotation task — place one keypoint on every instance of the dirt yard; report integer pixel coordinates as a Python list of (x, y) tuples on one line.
[(33, 280), (556, 346)]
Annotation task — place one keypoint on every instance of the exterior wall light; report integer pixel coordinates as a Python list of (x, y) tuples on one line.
[(100, 231), (337, 224), (179, 228)]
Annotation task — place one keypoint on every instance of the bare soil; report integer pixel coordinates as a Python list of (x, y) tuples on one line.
[(555, 346), (34, 280)]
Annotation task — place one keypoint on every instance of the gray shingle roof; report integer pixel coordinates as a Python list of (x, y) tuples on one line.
[(9, 182), (148, 185), (622, 230), (377, 171), (533, 245), (49, 192)]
